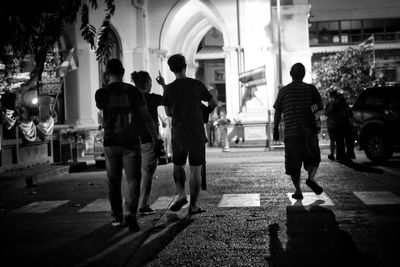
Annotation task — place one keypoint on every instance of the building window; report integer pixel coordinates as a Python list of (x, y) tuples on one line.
[(353, 31)]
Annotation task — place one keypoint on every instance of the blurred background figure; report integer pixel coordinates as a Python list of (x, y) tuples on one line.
[(341, 115)]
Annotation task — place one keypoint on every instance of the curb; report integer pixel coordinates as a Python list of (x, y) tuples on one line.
[(32, 176)]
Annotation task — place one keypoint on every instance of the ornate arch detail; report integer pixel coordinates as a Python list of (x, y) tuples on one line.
[(185, 39)]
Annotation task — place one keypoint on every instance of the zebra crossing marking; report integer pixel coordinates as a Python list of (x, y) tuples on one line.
[(40, 206), (163, 202), (239, 200), (377, 197), (311, 199), (99, 205), (227, 201)]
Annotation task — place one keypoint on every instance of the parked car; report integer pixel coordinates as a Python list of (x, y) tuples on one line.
[(376, 121)]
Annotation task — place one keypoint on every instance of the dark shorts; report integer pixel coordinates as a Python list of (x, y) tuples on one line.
[(180, 154), (301, 149)]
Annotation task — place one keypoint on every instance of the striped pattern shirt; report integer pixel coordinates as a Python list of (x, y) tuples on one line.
[(294, 101)]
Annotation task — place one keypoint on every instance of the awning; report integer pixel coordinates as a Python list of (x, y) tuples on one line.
[(338, 48), (210, 52)]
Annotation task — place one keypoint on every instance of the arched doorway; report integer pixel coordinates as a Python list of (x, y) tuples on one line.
[(210, 65), (186, 29)]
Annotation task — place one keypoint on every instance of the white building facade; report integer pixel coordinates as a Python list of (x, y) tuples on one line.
[(220, 39)]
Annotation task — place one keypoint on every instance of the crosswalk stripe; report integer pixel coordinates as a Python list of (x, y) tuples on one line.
[(239, 200), (163, 202), (377, 197), (311, 199), (40, 206), (227, 200), (98, 205)]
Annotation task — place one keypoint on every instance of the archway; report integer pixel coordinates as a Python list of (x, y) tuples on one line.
[(183, 32)]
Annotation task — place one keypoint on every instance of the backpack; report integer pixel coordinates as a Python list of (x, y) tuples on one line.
[(118, 119)]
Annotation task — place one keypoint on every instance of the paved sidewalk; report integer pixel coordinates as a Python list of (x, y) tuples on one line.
[(250, 218), (30, 176)]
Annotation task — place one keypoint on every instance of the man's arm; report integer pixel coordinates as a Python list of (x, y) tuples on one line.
[(277, 118), (160, 80), (277, 121), (317, 100)]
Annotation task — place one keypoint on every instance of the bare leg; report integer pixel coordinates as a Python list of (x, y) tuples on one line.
[(145, 189), (311, 173), (194, 183), (296, 183), (311, 181), (180, 179)]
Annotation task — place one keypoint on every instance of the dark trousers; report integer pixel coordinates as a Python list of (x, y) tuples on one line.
[(344, 141), (119, 158)]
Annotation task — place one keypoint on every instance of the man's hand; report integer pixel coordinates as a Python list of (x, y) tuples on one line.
[(275, 134), (160, 79)]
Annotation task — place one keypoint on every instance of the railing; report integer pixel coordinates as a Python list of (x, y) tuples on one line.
[(17, 153)]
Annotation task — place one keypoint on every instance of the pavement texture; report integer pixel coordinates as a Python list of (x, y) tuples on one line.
[(250, 218)]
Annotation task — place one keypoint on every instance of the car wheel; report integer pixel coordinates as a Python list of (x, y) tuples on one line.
[(377, 147)]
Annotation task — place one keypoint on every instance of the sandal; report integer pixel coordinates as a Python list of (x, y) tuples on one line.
[(297, 196), (199, 210), (178, 204), (315, 187)]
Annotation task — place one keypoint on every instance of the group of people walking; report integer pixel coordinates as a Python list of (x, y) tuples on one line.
[(132, 140)]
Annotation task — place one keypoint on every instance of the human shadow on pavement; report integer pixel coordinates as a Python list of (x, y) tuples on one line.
[(157, 239), (106, 240), (360, 167), (392, 163), (110, 246), (314, 239)]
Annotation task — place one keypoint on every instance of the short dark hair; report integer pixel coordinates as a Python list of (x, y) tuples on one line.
[(177, 63), (140, 78), (114, 67), (298, 71)]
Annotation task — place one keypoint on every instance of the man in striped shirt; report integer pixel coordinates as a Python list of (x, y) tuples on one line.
[(298, 101)]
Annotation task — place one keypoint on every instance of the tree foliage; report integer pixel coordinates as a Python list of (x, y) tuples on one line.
[(32, 28), (349, 72)]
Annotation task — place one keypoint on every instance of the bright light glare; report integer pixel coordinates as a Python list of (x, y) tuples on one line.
[(35, 101)]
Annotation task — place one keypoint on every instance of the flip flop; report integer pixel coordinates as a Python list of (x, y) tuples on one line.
[(178, 204), (199, 210), (297, 196), (315, 187)]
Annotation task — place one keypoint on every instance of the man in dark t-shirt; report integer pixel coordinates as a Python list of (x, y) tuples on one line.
[(182, 100), (298, 101), (124, 113)]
